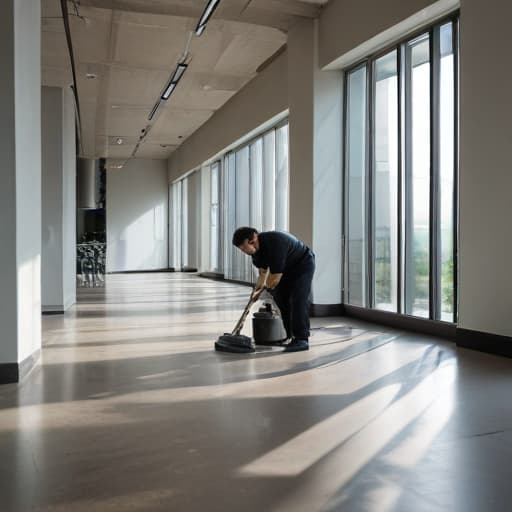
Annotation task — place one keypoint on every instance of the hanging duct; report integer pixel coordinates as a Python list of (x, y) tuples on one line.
[(88, 183)]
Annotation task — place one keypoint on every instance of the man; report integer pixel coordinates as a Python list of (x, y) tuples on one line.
[(291, 267)]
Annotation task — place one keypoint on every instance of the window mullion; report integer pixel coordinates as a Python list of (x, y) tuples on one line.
[(455, 35), (370, 193), (400, 179), (407, 232), (344, 195), (435, 200)]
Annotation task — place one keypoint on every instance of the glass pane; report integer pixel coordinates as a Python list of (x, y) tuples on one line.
[(214, 240), (417, 236), (356, 187), (282, 177), (184, 223), (446, 169), (215, 183), (269, 181), (385, 265), (229, 215), (176, 225), (256, 214), (214, 217), (242, 262)]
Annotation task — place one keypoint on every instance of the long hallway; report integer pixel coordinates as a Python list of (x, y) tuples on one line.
[(131, 409)]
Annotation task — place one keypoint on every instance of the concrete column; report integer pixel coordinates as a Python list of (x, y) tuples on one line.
[(315, 98), (485, 245), (20, 187), (58, 258)]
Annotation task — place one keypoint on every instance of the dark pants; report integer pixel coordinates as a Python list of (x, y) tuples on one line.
[(292, 296)]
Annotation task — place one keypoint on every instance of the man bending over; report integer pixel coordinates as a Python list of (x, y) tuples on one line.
[(292, 265)]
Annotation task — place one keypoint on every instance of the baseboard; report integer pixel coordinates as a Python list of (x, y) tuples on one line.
[(212, 275), (151, 271), (484, 342), (320, 310), (57, 309), (15, 372), (398, 321)]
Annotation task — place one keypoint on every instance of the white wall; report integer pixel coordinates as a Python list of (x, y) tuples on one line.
[(301, 119), (27, 19), (327, 183), (20, 186), (8, 263), (315, 159), (351, 29), (52, 197), (69, 199), (485, 169), (58, 237), (137, 216)]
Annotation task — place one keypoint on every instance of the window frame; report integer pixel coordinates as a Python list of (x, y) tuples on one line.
[(435, 296)]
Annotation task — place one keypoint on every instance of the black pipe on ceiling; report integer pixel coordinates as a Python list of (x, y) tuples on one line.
[(65, 19)]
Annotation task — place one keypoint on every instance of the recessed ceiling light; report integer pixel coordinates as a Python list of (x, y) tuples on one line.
[(91, 76), (119, 140), (207, 87)]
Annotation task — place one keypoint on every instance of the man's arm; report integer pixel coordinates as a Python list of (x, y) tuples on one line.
[(267, 280)]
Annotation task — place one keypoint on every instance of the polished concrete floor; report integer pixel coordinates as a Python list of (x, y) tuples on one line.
[(131, 409)]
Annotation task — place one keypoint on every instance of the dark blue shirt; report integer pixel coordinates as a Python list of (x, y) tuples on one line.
[(280, 251)]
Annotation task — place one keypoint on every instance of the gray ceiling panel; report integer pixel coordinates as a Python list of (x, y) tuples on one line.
[(126, 50)]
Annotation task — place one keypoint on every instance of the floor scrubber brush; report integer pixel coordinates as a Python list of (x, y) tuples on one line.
[(236, 342)]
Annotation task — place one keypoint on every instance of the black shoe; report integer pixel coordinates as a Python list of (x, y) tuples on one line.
[(297, 346)]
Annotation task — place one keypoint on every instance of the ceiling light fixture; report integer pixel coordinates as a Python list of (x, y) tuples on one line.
[(173, 81), (153, 112), (119, 140), (203, 20)]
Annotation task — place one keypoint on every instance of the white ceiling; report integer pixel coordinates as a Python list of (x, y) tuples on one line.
[(132, 47)]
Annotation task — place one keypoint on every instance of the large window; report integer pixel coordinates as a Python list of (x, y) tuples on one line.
[(385, 165), (184, 206), (356, 185), (400, 177), (255, 194), (246, 187)]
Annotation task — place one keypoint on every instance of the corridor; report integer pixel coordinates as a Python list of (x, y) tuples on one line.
[(131, 409)]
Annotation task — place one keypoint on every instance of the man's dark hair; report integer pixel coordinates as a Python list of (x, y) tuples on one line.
[(243, 234)]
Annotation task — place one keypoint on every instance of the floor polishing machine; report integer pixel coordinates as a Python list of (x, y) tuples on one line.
[(267, 329)]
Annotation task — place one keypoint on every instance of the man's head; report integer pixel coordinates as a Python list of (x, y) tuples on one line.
[(246, 239)]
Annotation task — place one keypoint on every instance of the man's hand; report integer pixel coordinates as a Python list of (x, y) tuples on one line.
[(261, 283), (273, 280), (267, 280)]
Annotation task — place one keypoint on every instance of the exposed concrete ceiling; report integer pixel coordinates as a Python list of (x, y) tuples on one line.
[(129, 48)]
